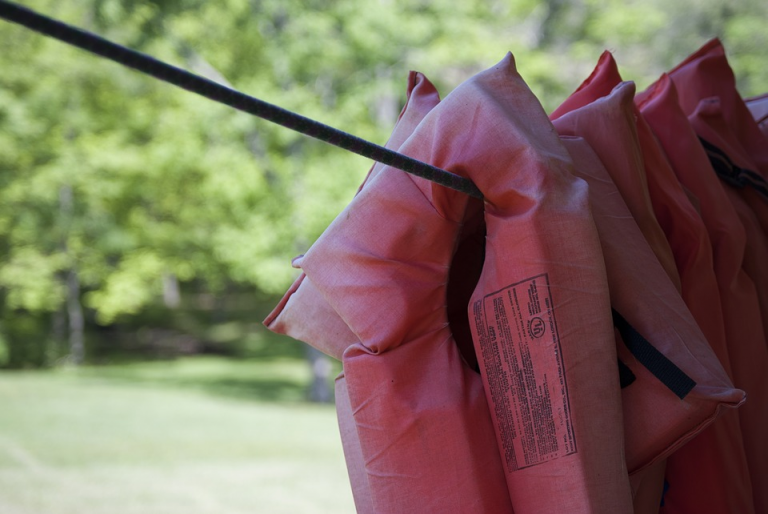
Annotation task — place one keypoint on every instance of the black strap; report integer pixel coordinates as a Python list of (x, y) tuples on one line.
[(656, 362), (735, 175), (222, 94), (626, 377)]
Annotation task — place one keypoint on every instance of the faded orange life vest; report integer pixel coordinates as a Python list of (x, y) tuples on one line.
[(707, 74), (710, 474), (612, 490), (540, 314), (608, 123), (420, 411), (732, 163), (306, 315), (690, 246)]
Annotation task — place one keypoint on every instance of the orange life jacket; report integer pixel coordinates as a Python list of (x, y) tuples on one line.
[(540, 314), (305, 314), (608, 123), (710, 474), (706, 74)]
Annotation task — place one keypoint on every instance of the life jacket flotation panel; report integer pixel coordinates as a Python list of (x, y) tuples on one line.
[(420, 411), (611, 490), (305, 314), (540, 314), (656, 423), (746, 337), (709, 474)]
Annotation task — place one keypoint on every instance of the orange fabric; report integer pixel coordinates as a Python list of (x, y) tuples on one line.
[(709, 122), (303, 313), (707, 74), (540, 314), (710, 474), (655, 424), (420, 411), (746, 343), (353, 451)]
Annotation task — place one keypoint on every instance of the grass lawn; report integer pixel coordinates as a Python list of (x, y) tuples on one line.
[(196, 435)]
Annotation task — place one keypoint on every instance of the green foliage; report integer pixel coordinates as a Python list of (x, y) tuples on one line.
[(124, 180), (21, 327)]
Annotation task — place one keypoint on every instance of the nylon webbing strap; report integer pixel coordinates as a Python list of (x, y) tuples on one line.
[(656, 362), (233, 98), (735, 175), (626, 377)]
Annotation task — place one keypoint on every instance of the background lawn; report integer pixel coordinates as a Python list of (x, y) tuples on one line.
[(194, 435)]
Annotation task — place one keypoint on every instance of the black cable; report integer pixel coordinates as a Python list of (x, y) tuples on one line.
[(222, 94)]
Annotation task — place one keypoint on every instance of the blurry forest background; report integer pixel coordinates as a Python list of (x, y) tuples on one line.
[(145, 232), (139, 221)]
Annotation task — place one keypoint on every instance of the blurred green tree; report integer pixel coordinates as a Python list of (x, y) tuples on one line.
[(115, 188)]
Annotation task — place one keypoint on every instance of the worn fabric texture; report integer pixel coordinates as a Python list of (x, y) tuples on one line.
[(710, 474), (303, 313), (706, 74), (747, 341), (540, 314), (324, 328), (594, 221), (656, 423), (383, 265)]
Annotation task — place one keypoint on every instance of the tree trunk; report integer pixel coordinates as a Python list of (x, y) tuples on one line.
[(171, 293), (59, 332), (320, 389), (76, 320)]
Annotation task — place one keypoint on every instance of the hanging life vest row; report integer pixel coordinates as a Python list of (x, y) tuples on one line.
[(557, 313), (590, 337)]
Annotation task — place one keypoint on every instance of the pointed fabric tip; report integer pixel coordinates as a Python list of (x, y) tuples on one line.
[(660, 87), (712, 47), (599, 83)]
